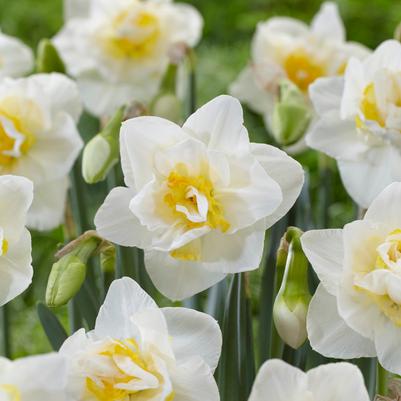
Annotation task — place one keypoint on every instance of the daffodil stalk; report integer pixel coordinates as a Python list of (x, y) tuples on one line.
[(382, 380)]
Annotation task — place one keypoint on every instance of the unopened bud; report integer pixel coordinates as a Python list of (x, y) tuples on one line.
[(167, 106), (292, 301), (291, 114), (68, 273), (48, 60), (101, 153)]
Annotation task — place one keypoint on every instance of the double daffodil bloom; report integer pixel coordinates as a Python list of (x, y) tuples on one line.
[(39, 139), (360, 122), (199, 197), (279, 381), (356, 310), (138, 352), (37, 378), (118, 50), (285, 48), (15, 241), (16, 59)]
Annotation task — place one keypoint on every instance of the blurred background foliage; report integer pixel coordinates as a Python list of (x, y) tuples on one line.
[(224, 51)]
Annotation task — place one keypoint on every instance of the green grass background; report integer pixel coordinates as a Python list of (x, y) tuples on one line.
[(224, 51)]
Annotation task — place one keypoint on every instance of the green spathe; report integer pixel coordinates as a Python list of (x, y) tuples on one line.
[(48, 60)]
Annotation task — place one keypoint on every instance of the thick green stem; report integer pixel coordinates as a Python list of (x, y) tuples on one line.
[(5, 331)]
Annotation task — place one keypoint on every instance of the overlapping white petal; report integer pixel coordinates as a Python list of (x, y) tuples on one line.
[(16, 195), (38, 117), (279, 381), (199, 197), (134, 339), (118, 51), (51, 384), (355, 310), (16, 58)]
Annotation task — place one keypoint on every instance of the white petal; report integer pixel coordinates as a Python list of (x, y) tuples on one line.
[(285, 171), (327, 23), (326, 94), (48, 207), (140, 139), (15, 268), (252, 194), (329, 334), (193, 333), (187, 24), (16, 194), (336, 137), (124, 300), (115, 222), (50, 384), (177, 279), (16, 57), (279, 381), (53, 153), (365, 179), (62, 93), (194, 381), (76, 8), (325, 251), (385, 208), (337, 381), (219, 124), (387, 55), (248, 90), (388, 345)]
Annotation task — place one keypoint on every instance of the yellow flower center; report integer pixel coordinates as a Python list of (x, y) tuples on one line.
[(369, 108), (11, 391), (388, 257), (303, 69), (136, 376), (132, 34), (192, 199)]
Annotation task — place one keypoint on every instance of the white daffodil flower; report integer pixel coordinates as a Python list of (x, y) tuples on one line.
[(360, 122), (140, 352), (39, 139), (199, 197), (279, 381), (37, 378), (118, 50), (16, 59), (356, 310), (15, 241), (285, 48)]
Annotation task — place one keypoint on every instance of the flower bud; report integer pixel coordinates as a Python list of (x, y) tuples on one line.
[(101, 153), (291, 114), (292, 301), (48, 59), (167, 106), (68, 273)]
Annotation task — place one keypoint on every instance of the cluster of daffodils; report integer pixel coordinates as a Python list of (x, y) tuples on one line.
[(356, 310), (286, 49), (199, 198), (359, 122), (118, 50)]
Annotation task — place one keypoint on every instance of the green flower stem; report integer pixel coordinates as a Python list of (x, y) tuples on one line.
[(381, 380), (5, 331)]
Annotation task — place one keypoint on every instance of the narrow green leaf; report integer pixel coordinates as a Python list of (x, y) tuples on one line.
[(51, 325), (236, 371), (216, 299)]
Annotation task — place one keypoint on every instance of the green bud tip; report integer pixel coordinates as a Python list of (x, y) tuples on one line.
[(48, 60)]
